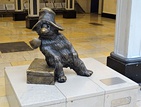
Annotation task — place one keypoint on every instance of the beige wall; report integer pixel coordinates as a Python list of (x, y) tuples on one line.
[(85, 4), (6, 1), (109, 6), (100, 6), (12, 0), (53, 0)]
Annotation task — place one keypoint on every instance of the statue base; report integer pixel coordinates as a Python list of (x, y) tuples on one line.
[(19, 16), (39, 73), (31, 21), (130, 68), (69, 14), (105, 88)]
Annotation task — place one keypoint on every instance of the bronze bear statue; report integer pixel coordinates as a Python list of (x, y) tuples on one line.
[(58, 51)]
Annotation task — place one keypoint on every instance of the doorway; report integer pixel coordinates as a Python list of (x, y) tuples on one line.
[(94, 6)]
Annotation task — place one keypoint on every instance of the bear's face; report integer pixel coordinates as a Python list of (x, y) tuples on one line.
[(46, 30)]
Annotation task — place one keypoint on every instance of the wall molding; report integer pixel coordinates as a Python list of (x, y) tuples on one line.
[(108, 15)]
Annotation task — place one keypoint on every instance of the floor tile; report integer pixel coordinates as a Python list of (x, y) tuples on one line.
[(14, 47)]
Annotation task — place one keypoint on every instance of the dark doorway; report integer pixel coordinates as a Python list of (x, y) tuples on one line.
[(94, 6)]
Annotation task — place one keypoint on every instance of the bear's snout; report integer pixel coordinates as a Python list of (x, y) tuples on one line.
[(44, 30)]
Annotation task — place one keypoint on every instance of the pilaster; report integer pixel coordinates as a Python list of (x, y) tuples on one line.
[(69, 11), (19, 14), (126, 57), (33, 13)]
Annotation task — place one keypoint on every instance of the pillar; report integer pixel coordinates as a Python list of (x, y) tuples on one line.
[(33, 13), (18, 5), (19, 13), (69, 11), (69, 4), (126, 58), (33, 8)]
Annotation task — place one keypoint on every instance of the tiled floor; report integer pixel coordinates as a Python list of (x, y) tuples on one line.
[(90, 40)]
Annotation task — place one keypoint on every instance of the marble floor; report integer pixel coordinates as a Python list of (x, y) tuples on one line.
[(90, 34)]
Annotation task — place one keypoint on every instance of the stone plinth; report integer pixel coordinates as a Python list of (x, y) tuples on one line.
[(39, 73), (105, 88), (69, 14), (31, 21), (19, 16)]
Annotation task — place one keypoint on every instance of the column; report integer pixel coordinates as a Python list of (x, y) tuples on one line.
[(33, 13), (33, 8), (18, 5), (69, 11), (19, 13), (126, 58), (69, 4)]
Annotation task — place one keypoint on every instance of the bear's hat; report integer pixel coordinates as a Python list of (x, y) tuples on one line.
[(47, 15)]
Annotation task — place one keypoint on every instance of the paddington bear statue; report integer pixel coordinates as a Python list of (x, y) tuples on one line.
[(58, 51)]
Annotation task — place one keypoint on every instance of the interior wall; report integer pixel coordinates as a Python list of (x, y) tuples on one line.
[(100, 7), (57, 1), (109, 6), (6, 1), (12, 0), (85, 4)]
